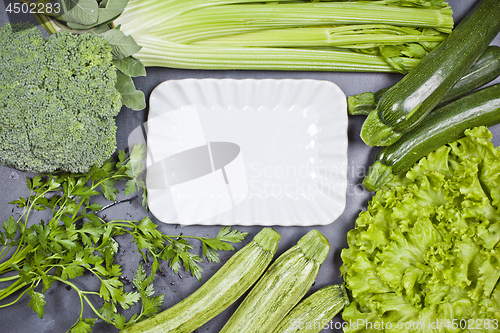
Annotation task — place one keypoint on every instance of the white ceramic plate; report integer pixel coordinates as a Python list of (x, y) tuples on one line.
[(247, 152)]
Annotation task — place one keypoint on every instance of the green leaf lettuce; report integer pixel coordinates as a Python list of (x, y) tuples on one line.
[(426, 250)]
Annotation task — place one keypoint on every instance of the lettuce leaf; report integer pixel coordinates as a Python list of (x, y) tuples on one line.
[(425, 253)]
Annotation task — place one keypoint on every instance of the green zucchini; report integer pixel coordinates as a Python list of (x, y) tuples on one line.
[(444, 125), (362, 104), (281, 287), (228, 284), (483, 71), (406, 103), (315, 312)]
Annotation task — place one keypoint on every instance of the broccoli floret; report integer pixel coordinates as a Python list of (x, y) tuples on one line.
[(57, 100), (20, 54)]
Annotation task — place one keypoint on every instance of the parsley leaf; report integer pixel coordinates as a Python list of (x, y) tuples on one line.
[(37, 302), (10, 228), (150, 305), (228, 235), (83, 326)]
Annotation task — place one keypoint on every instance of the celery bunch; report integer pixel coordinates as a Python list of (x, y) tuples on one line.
[(376, 35)]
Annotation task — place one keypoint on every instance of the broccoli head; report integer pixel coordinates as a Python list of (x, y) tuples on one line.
[(57, 100)]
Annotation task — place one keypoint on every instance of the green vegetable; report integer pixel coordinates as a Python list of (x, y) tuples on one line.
[(405, 104), (446, 124), (232, 34), (362, 104), (426, 251), (57, 100), (315, 312), (281, 287), (228, 284), (483, 71), (76, 240), (380, 36)]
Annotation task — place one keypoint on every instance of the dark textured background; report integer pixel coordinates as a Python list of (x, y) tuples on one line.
[(63, 305)]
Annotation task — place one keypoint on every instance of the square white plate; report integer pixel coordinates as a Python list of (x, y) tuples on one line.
[(247, 152)]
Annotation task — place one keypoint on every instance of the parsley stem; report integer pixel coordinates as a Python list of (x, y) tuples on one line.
[(19, 284), (90, 293), (13, 302), (9, 278), (28, 209), (14, 259), (78, 291), (77, 210), (95, 310), (82, 296), (2, 254)]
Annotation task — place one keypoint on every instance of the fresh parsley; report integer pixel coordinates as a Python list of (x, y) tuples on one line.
[(76, 240)]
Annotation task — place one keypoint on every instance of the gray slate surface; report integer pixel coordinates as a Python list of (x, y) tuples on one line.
[(63, 306)]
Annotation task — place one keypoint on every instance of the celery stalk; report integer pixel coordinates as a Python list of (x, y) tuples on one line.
[(234, 19), (358, 36), (159, 52), (375, 35)]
